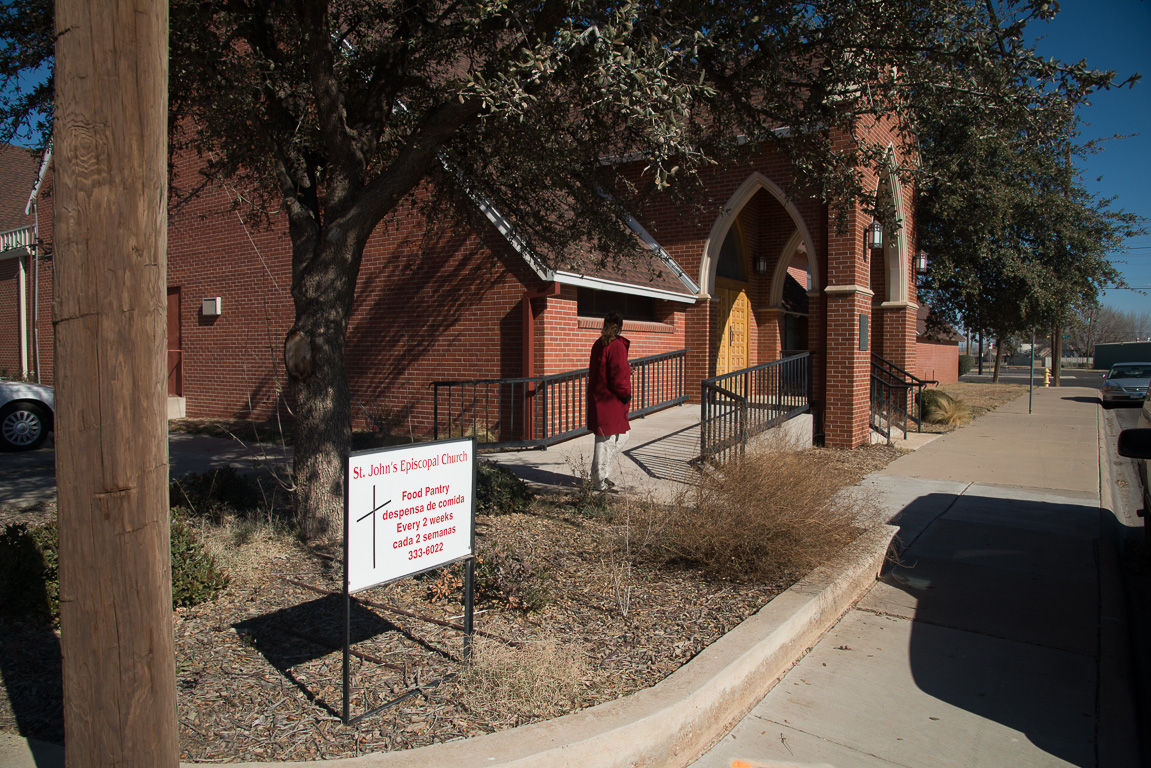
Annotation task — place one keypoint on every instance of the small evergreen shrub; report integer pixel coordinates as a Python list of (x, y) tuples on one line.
[(498, 491), (195, 577), (929, 399), (966, 363), (216, 494), (30, 574)]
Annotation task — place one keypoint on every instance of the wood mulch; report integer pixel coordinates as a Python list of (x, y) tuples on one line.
[(259, 670)]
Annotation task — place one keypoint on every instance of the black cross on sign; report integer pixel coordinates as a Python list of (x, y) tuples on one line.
[(372, 515)]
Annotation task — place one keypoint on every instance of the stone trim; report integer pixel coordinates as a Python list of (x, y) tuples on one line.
[(840, 290)]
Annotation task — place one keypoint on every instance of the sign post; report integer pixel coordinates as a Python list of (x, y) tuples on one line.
[(407, 509)]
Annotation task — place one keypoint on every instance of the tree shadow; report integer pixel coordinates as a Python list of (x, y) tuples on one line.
[(30, 655), (1003, 597)]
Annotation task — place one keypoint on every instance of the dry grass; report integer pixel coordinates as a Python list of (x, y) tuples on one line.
[(773, 512), (243, 547), (947, 410), (537, 680), (980, 397), (983, 397)]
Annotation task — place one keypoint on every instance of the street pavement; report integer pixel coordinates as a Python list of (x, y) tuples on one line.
[(997, 638)]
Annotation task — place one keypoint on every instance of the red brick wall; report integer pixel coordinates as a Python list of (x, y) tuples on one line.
[(10, 318), (937, 360), (435, 301)]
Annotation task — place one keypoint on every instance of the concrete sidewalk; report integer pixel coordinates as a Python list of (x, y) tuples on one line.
[(989, 643)]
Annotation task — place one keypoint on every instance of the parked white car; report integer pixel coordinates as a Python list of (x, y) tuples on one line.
[(26, 415)]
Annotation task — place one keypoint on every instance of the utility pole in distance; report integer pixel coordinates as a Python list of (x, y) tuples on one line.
[(110, 174)]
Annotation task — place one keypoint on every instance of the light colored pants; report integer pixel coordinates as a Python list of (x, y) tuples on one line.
[(607, 448)]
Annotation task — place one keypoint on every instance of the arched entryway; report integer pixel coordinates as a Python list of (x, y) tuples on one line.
[(757, 268), (733, 312)]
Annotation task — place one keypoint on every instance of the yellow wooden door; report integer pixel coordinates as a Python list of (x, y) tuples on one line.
[(734, 308)]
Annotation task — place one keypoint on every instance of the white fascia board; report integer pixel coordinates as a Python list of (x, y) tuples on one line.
[(614, 286)]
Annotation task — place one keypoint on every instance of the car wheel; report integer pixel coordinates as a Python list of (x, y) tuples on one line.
[(23, 426)]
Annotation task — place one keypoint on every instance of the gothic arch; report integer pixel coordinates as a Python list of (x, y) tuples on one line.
[(782, 263), (735, 204), (896, 260)]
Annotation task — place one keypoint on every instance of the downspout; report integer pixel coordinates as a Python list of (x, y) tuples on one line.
[(22, 315), (33, 208), (529, 323), (529, 351), (821, 437), (34, 254)]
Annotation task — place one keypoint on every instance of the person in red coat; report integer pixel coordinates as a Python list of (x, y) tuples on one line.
[(608, 396)]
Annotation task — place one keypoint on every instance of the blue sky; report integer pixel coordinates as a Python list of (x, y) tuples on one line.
[(1114, 34)]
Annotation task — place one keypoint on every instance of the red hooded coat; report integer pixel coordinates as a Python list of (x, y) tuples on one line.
[(608, 387)]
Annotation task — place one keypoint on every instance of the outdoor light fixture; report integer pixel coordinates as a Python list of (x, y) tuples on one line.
[(875, 236), (761, 264), (921, 263)]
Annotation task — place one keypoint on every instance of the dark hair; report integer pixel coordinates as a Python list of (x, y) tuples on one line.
[(612, 326)]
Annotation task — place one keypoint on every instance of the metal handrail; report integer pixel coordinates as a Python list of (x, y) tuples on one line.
[(737, 406), (892, 399), (538, 411)]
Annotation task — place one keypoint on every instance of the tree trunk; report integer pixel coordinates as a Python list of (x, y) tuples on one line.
[(998, 357), (111, 412), (314, 357)]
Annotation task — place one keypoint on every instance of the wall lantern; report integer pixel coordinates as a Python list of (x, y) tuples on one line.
[(761, 264), (213, 307), (921, 263), (875, 236)]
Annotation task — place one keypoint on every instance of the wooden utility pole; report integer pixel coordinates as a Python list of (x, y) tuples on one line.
[(110, 238)]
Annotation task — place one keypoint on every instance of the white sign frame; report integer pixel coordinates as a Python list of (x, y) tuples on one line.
[(420, 501)]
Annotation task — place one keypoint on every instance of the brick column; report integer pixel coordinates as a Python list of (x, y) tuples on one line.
[(769, 324), (899, 335), (848, 296), (698, 334)]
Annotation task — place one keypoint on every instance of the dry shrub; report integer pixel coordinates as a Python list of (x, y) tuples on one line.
[(946, 410), (771, 514), (508, 686)]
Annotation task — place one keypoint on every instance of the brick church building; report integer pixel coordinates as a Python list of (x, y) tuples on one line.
[(765, 276)]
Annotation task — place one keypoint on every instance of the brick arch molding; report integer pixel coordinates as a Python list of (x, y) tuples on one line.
[(895, 259), (735, 204)]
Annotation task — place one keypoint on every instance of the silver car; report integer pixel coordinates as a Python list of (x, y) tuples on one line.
[(26, 415), (1125, 383)]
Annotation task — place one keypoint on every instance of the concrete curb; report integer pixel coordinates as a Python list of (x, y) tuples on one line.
[(667, 725), (1118, 743)]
